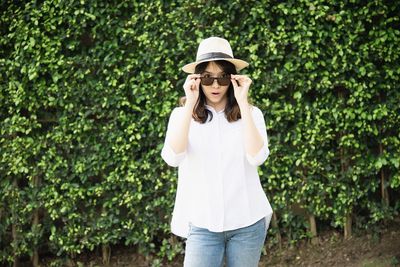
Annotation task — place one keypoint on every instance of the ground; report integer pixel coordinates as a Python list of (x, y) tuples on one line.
[(365, 250), (362, 249)]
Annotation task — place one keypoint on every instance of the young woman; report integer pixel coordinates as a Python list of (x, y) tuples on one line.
[(217, 140)]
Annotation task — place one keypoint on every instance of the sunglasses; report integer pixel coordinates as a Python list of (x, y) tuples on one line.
[(222, 81)]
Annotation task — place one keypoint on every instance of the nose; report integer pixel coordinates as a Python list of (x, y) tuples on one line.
[(215, 83)]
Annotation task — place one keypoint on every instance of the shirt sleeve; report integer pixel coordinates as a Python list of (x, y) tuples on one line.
[(263, 154), (168, 154)]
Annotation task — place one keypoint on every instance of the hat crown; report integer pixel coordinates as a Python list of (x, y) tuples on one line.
[(214, 45), (211, 49)]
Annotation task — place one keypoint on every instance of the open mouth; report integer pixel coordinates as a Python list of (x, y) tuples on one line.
[(215, 93)]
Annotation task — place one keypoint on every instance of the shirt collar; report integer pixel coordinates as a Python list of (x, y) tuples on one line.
[(213, 109)]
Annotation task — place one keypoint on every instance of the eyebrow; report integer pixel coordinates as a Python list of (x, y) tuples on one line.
[(221, 72)]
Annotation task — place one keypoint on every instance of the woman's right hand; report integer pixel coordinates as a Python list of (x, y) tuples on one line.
[(192, 88)]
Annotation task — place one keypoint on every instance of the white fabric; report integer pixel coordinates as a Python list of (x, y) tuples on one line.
[(218, 185), (214, 44)]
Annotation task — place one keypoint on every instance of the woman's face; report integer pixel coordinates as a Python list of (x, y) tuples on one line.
[(215, 94)]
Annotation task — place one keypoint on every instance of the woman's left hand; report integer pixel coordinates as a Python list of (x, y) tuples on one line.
[(241, 85)]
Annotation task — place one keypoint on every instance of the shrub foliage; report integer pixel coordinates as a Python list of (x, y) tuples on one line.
[(86, 89)]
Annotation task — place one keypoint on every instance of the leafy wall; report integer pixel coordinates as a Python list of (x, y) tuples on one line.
[(86, 89)]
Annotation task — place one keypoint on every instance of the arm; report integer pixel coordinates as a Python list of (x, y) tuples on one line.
[(179, 138), (253, 140), (179, 134), (257, 157), (255, 133), (174, 149), (176, 140)]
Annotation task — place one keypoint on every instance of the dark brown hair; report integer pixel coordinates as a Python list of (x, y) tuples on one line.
[(200, 112)]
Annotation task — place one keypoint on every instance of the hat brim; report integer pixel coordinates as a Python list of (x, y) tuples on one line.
[(239, 64)]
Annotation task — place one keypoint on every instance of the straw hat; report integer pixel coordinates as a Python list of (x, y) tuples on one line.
[(214, 48)]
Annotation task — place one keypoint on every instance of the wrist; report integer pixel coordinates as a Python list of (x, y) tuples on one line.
[(243, 104), (189, 105)]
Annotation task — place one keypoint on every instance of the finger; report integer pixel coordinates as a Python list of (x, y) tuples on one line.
[(193, 76), (240, 77), (188, 84), (193, 84), (190, 77), (189, 80), (234, 83), (244, 80), (196, 84), (239, 80)]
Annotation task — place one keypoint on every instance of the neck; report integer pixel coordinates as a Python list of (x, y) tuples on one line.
[(218, 106)]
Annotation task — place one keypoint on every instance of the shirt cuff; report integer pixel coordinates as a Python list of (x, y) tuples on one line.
[(260, 157), (170, 157)]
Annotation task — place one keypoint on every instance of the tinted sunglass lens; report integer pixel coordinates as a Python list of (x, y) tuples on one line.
[(224, 81), (207, 80)]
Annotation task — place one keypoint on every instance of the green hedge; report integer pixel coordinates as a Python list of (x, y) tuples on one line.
[(86, 89)]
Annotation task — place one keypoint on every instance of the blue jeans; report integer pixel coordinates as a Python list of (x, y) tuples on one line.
[(240, 248)]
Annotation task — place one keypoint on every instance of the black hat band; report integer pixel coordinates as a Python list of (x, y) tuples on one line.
[(213, 55)]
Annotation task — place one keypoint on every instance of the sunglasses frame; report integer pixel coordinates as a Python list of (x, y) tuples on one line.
[(226, 76)]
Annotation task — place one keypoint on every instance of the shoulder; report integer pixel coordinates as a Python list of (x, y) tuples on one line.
[(177, 110), (257, 114), (256, 111), (176, 113)]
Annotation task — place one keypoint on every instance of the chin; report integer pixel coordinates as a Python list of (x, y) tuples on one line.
[(215, 100)]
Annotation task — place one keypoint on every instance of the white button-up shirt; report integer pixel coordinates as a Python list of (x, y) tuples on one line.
[(218, 184)]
